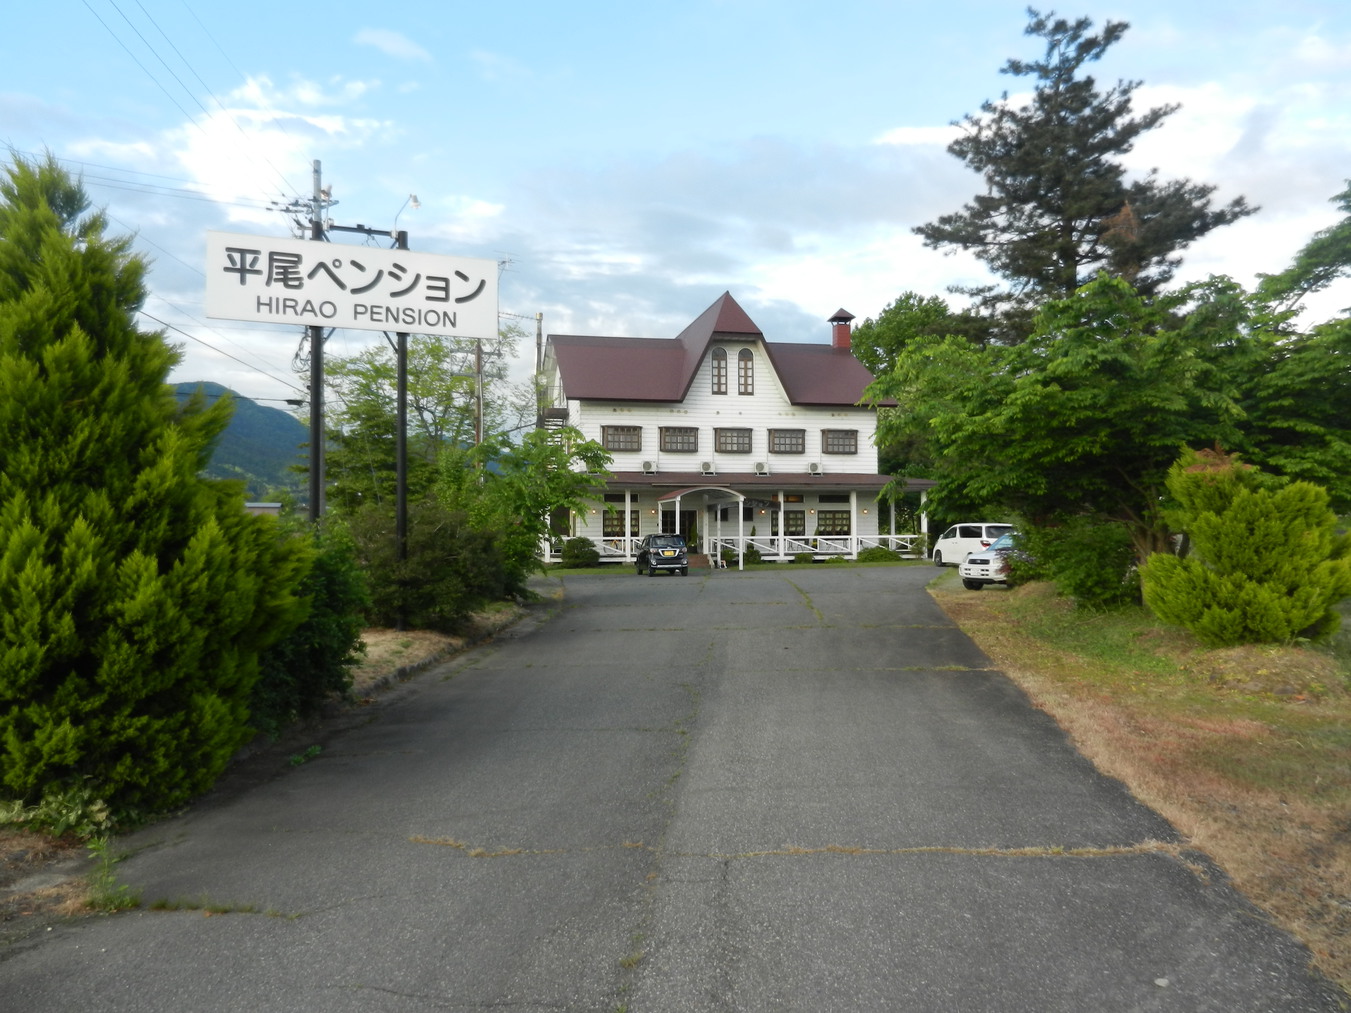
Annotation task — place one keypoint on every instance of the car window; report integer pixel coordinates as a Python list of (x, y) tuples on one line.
[(1004, 541), (970, 531), (949, 533), (668, 541), (999, 530)]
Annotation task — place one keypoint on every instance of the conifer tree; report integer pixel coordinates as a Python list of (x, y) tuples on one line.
[(1058, 206), (1266, 564), (134, 596)]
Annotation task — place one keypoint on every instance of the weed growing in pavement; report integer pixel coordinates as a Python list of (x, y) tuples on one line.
[(105, 892), (306, 756)]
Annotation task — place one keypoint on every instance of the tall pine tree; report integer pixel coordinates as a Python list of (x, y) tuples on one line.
[(134, 596), (1058, 206)]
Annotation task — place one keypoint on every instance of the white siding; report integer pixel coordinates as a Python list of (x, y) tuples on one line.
[(768, 408)]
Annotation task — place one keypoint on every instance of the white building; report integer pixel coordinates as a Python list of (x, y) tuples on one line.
[(726, 437)]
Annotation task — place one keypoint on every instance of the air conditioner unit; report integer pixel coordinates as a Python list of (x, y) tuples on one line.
[(814, 468), (706, 467), (649, 467), (761, 468)]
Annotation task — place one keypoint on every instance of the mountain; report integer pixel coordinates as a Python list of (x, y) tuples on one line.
[(259, 446)]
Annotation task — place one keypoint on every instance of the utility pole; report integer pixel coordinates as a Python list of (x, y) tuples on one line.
[(401, 439), (317, 369), (400, 343), (478, 391)]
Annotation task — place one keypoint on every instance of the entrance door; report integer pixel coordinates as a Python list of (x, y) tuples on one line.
[(687, 523)]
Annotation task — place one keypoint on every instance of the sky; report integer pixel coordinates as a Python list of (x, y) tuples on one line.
[(625, 164)]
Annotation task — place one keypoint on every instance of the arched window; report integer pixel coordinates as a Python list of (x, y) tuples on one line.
[(745, 372), (719, 371)]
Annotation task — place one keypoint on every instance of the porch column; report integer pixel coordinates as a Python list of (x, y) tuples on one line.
[(924, 522), (741, 531), (853, 520)]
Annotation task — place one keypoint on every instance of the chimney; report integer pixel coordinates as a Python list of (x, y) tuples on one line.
[(839, 329)]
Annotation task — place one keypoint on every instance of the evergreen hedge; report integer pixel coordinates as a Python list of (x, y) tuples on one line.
[(1266, 563), (134, 597)]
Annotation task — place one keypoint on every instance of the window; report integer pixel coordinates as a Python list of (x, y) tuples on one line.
[(833, 497), (794, 523), (680, 439), (745, 372), (788, 441), (621, 437), (839, 441), (732, 441), (612, 526), (719, 371), (832, 522)]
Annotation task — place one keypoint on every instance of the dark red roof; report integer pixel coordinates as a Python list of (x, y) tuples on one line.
[(662, 369)]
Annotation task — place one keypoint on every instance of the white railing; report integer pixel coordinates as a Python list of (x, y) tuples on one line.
[(775, 548)]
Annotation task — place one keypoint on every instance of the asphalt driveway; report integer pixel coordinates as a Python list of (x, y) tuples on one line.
[(802, 790)]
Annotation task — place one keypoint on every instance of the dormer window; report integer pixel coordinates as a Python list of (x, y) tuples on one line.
[(745, 372), (719, 371)]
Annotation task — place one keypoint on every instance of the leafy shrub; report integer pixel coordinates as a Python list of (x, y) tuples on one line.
[(1267, 564), (1090, 560), (580, 552), (313, 663), (804, 557), (753, 555), (878, 554), (77, 811), (450, 568)]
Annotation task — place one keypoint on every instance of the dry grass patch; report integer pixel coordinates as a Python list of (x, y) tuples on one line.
[(1247, 751)]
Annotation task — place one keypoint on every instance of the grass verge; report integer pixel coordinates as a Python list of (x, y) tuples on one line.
[(1247, 751)]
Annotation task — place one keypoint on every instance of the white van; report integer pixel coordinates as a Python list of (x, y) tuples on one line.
[(954, 544)]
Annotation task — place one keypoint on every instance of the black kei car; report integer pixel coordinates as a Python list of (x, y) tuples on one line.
[(663, 552)]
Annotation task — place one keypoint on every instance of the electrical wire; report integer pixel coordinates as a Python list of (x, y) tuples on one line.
[(218, 351)]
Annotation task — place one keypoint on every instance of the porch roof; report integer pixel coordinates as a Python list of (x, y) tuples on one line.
[(828, 482)]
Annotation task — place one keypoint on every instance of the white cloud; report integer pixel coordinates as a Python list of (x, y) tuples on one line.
[(496, 67), (392, 43), (941, 136)]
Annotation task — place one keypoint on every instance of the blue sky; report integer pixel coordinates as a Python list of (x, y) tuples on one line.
[(631, 162)]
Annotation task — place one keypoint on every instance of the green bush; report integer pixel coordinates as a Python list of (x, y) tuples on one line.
[(135, 597), (878, 554), (450, 568), (804, 557), (1089, 559), (580, 553), (1266, 564), (312, 664)]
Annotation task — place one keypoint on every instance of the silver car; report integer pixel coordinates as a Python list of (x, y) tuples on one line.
[(989, 566)]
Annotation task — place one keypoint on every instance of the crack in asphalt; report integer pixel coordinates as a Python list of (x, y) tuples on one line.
[(1150, 847)]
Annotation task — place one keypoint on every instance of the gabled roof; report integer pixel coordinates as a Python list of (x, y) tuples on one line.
[(662, 369)]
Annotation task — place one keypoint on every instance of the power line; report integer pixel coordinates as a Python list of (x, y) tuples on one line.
[(160, 84), (193, 337)]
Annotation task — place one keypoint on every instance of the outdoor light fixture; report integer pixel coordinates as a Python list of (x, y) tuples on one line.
[(412, 202)]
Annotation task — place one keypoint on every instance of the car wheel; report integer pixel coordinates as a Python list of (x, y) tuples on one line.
[(972, 585), (651, 571), (938, 559), (685, 571)]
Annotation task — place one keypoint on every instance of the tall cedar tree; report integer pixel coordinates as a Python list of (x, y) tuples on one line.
[(1058, 207), (134, 596)]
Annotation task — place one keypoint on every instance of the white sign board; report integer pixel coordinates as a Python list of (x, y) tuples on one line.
[(264, 279)]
